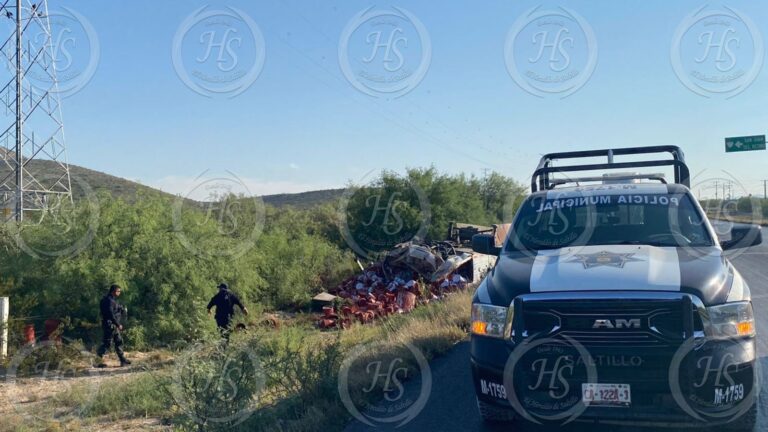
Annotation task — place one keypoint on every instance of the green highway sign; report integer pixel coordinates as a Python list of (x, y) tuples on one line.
[(747, 143)]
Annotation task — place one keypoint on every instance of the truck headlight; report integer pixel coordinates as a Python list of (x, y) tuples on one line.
[(492, 321), (732, 320)]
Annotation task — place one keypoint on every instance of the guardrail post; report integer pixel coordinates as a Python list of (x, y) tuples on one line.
[(4, 312)]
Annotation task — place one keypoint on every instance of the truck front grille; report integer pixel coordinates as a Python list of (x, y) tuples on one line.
[(626, 321)]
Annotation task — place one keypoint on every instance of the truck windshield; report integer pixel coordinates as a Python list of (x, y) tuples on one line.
[(575, 219)]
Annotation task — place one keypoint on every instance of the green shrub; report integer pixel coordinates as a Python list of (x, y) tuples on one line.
[(298, 364), (216, 386), (50, 360), (166, 286), (168, 271), (426, 193)]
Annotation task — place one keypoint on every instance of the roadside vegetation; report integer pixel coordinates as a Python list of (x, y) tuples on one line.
[(169, 258), (743, 210), (169, 255), (293, 385)]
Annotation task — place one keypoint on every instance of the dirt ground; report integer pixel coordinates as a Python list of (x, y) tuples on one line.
[(30, 403)]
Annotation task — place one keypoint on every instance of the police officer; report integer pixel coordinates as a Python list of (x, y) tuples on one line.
[(225, 302), (110, 324)]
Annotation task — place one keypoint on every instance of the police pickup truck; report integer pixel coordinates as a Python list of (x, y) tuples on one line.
[(613, 301)]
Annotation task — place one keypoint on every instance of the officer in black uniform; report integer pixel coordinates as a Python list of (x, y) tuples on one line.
[(111, 311), (225, 302)]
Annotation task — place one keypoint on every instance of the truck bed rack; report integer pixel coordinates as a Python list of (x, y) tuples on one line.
[(577, 180), (542, 180)]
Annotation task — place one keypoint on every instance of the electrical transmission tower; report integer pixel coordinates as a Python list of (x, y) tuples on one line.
[(34, 174)]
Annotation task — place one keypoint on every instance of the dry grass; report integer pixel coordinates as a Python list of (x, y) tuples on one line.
[(137, 401), (748, 219), (433, 329)]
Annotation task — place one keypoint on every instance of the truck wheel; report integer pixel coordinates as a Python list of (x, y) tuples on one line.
[(493, 414), (746, 422)]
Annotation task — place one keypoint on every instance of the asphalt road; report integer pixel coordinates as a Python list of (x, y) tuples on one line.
[(451, 405)]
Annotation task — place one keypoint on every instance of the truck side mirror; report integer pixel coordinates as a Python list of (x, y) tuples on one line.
[(485, 244), (743, 236)]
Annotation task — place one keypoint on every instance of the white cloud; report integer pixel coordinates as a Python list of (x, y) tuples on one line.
[(293, 165), (209, 185)]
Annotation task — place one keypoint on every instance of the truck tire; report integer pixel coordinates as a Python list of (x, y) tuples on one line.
[(493, 414), (746, 422)]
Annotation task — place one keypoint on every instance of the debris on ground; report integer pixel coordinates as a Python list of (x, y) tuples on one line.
[(270, 321), (322, 300), (409, 275)]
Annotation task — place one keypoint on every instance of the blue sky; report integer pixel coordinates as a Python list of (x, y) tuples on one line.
[(302, 125)]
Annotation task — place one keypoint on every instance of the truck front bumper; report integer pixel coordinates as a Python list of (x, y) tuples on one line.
[(716, 381)]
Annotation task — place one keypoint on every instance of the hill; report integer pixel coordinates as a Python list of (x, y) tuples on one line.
[(304, 199), (83, 179), (127, 189)]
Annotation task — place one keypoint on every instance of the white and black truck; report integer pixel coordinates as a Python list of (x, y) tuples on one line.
[(613, 300)]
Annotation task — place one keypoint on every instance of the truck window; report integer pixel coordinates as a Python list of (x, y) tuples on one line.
[(572, 219)]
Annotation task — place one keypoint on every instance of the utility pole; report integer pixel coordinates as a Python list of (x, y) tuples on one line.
[(765, 189), (29, 94), (485, 191), (19, 122), (4, 312), (716, 189)]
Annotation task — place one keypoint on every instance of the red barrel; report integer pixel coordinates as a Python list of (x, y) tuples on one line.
[(29, 334)]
